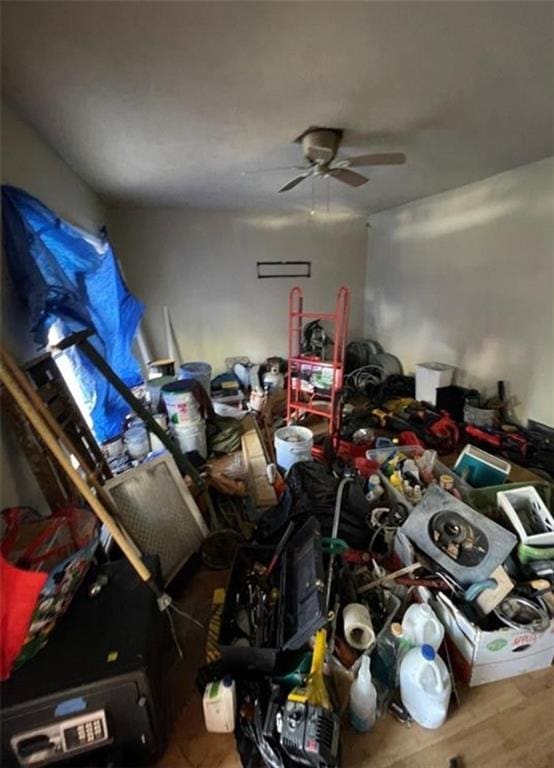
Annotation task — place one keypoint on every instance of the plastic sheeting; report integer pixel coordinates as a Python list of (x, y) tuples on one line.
[(71, 278)]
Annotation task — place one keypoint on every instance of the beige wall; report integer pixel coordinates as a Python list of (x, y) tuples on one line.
[(202, 265), (29, 163), (467, 278)]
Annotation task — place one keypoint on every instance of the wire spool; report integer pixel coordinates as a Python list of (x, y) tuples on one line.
[(366, 379)]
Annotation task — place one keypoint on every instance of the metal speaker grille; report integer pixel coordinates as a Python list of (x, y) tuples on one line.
[(153, 511)]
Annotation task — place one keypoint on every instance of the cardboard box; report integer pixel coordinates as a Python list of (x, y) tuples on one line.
[(478, 656), (482, 657)]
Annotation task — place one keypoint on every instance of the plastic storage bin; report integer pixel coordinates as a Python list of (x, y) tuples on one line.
[(382, 455), (484, 499)]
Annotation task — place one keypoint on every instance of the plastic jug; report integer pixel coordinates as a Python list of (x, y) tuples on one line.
[(425, 686), (420, 626), (219, 703), (363, 699)]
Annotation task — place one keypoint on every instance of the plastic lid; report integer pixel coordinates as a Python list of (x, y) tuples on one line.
[(227, 681), (428, 652), (396, 629)]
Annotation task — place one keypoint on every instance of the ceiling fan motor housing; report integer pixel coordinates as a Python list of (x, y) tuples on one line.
[(320, 145)]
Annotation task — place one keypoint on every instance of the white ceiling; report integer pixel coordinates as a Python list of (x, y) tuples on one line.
[(157, 103)]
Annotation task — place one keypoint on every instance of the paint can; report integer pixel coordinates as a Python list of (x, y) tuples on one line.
[(293, 444), (201, 372), (181, 404), (136, 442), (192, 437), (113, 448)]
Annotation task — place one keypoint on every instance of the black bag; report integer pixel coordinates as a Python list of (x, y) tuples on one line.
[(312, 490)]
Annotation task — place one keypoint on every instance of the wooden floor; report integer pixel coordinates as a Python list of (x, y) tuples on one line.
[(509, 724)]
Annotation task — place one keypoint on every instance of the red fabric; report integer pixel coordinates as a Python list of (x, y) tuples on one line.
[(19, 591)]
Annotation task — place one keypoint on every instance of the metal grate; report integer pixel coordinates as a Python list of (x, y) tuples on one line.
[(158, 512)]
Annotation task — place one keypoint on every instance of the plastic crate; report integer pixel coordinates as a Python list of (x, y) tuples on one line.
[(484, 499)]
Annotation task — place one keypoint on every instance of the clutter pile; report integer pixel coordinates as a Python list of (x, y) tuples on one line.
[(368, 576), (401, 577)]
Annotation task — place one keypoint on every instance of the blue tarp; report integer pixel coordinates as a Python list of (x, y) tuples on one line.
[(71, 278)]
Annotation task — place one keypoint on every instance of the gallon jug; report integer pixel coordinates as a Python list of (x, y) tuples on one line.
[(420, 626), (363, 699), (219, 704), (425, 686)]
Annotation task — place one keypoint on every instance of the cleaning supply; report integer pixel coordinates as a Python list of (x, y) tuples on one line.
[(425, 686), (219, 703), (402, 646), (420, 626), (363, 699)]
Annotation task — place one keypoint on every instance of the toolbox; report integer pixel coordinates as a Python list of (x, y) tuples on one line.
[(251, 638)]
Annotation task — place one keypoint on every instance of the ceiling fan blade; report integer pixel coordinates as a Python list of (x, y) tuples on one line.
[(348, 177), (384, 158), (294, 182), (277, 168)]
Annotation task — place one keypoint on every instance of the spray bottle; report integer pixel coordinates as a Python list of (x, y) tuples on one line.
[(363, 699)]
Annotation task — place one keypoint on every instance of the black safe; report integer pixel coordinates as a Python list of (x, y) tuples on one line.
[(94, 695)]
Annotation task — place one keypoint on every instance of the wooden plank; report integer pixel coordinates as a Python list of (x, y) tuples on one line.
[(254, 457)]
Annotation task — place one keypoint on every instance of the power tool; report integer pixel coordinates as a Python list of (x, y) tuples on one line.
[(310, 729)]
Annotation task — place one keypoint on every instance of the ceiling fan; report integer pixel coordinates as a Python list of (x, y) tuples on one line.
[(320, 147)]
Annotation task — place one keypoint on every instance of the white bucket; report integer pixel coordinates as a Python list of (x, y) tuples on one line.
[(293, 444), (192, 437), (200, 372), (182, 407)]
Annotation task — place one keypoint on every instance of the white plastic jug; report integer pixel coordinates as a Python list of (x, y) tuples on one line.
[(425, 686), (219, 704), (363, 699), (420, 626)]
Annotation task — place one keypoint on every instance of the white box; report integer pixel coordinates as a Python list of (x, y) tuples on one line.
[(429, 376), (480, 657)]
